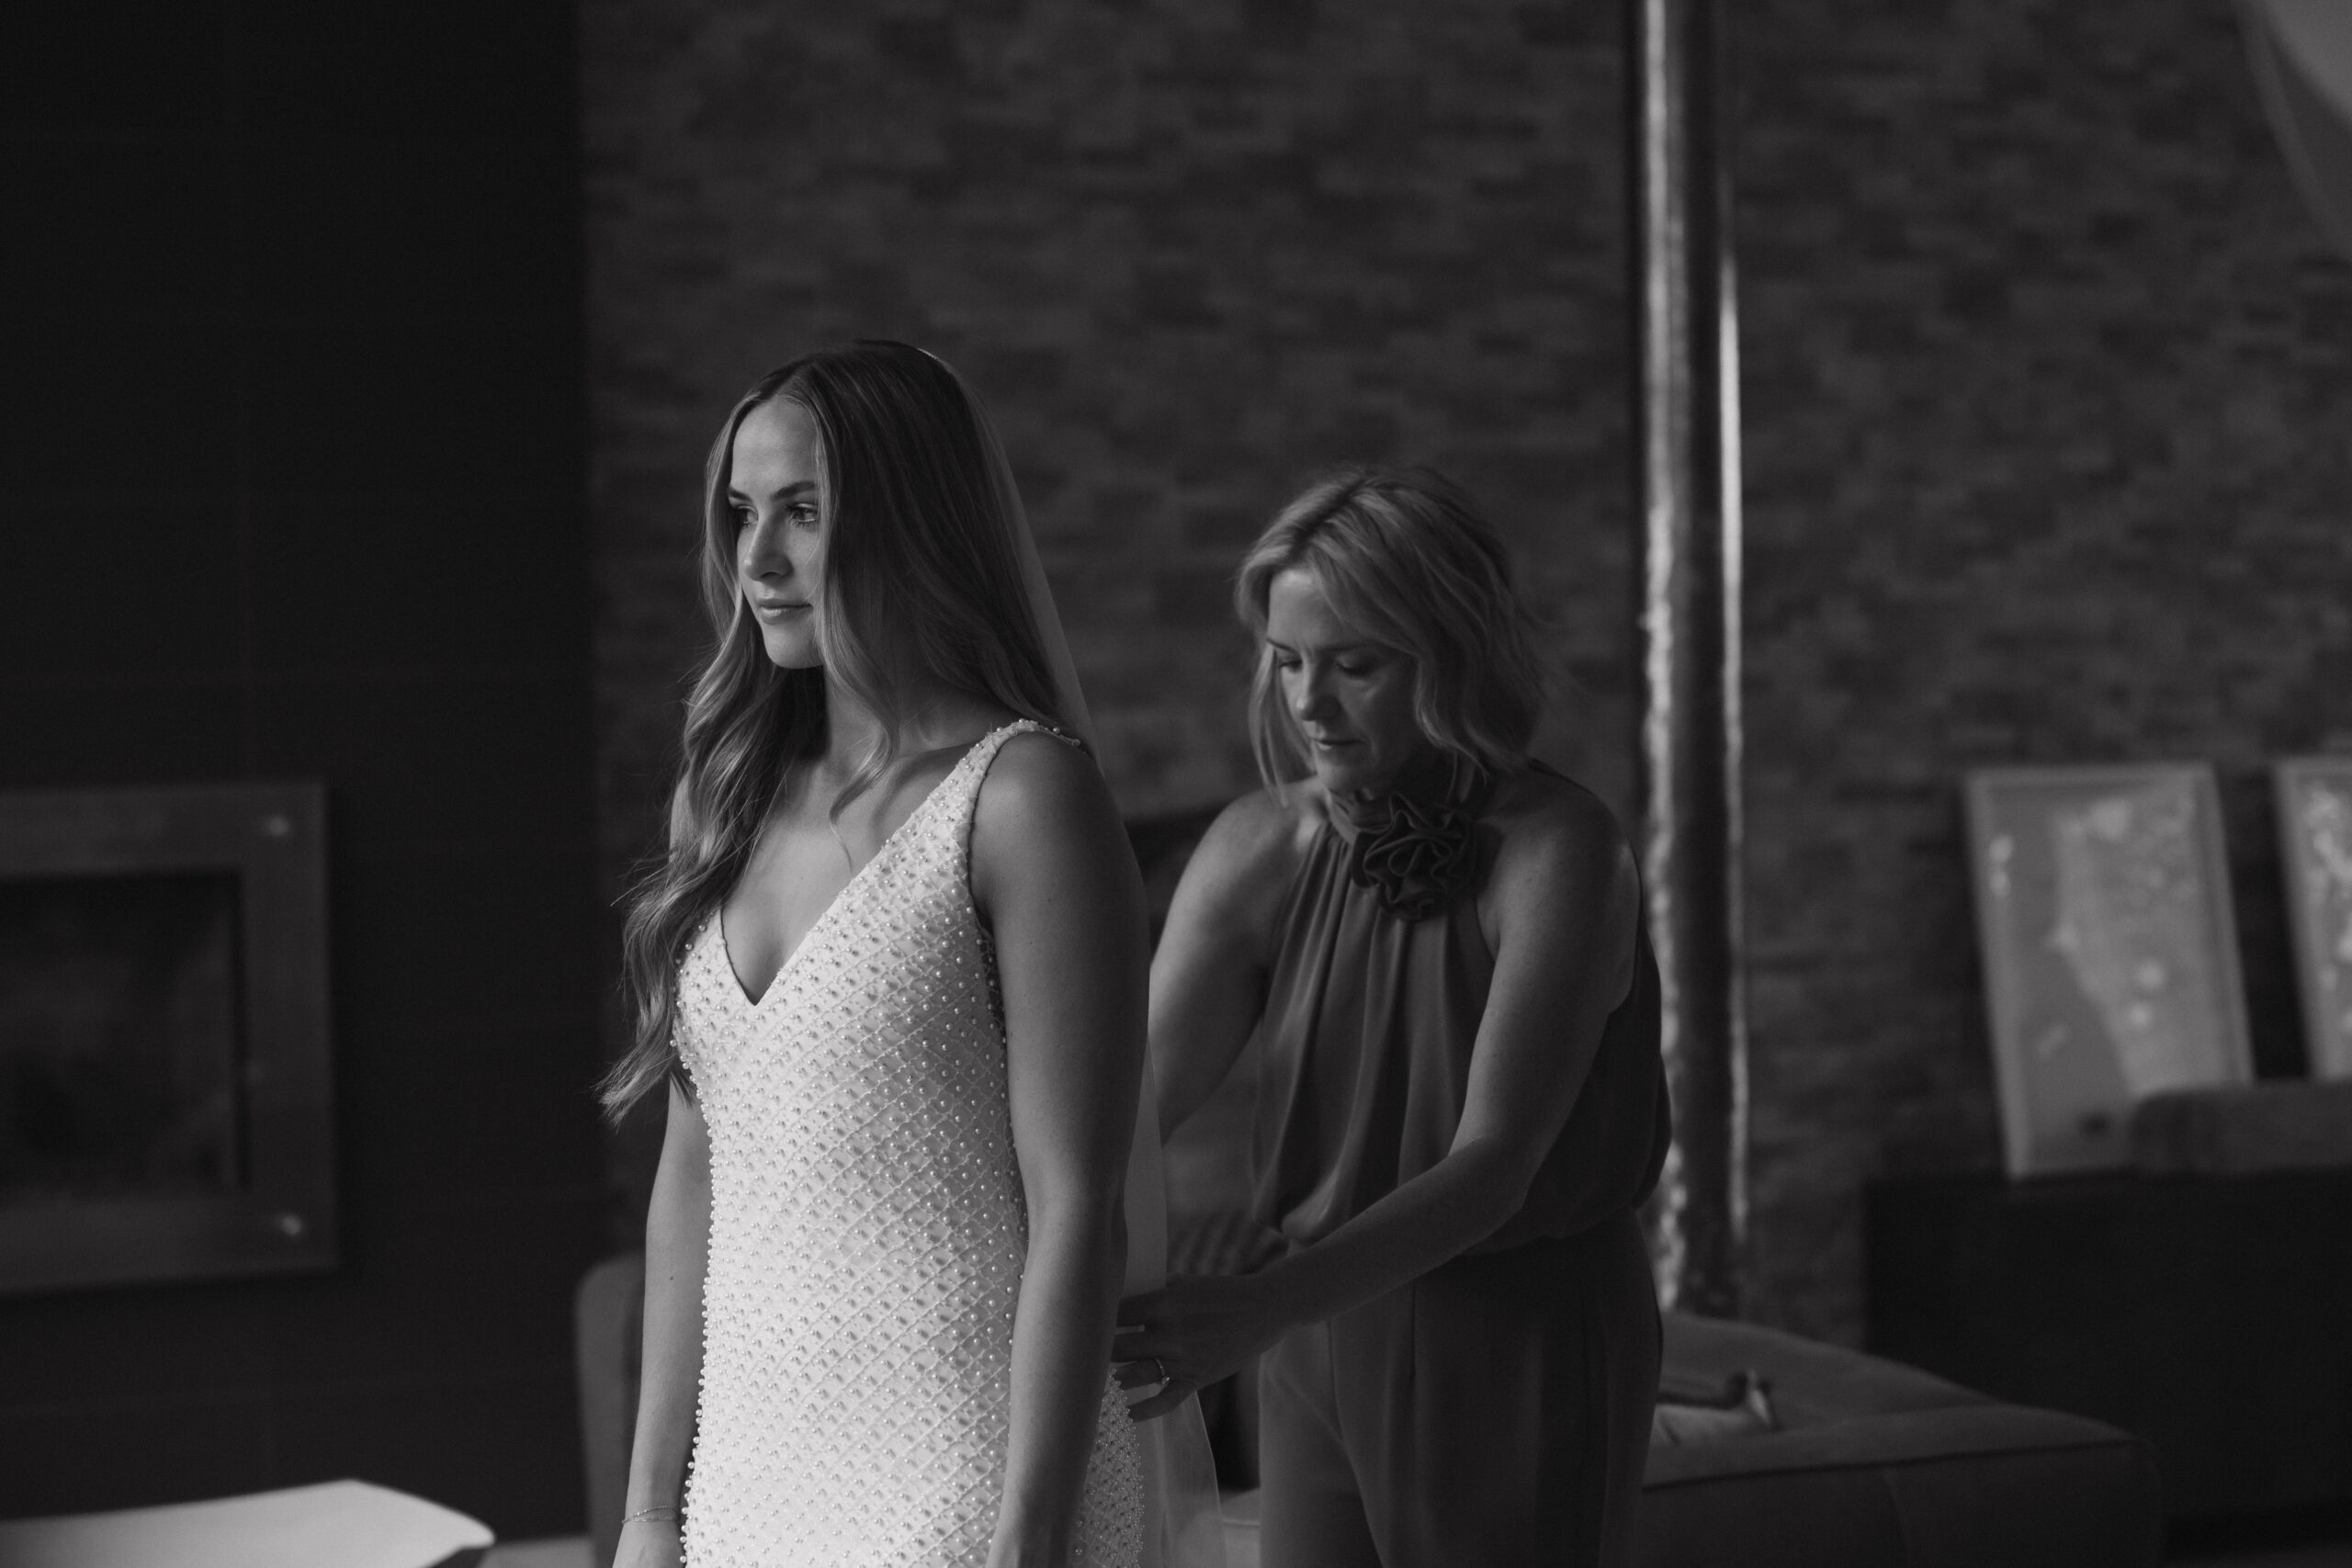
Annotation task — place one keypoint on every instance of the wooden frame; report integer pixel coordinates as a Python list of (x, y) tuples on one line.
[(280, 1215), (2314, 804), (2102, 900)]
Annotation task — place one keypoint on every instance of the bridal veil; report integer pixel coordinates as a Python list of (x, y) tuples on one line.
[(1182, 1524)]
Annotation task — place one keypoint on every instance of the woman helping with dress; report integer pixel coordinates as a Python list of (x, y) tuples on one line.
[(1460, 1102), (890, 976)]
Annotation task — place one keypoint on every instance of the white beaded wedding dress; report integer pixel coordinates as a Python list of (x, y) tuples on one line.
[(867, 1230)]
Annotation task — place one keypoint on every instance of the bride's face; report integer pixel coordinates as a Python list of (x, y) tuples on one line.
[(776, 485)]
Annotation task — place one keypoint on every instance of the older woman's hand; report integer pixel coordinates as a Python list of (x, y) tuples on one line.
[(1191, 1332)]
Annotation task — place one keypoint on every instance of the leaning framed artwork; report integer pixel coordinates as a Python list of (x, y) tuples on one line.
[(2110, 957), (2314, 801)]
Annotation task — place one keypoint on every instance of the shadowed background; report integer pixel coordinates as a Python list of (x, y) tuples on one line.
[(290, 462), (360, 367)]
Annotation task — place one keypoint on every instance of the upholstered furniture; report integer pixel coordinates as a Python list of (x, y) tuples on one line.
[(1879, 1465), (2253, 1129)]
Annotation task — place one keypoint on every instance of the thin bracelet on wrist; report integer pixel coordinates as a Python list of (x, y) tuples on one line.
[(665, 1515)]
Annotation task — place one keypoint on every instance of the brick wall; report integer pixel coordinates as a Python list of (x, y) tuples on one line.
[(2048, 381), (1189, 252)]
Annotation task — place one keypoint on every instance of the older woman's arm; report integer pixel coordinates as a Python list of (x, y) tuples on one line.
[(1564, 900), (1209, 976), (1055, 880)]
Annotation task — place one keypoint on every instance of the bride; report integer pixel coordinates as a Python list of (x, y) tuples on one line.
[(890, 976)]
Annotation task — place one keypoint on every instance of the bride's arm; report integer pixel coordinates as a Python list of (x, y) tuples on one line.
[(677, 1249), (1055, 880)]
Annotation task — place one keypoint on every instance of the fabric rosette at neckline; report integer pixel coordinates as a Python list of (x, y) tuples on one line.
[(1414, 847)]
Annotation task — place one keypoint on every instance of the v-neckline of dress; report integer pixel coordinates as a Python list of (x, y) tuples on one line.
[(718, 920)]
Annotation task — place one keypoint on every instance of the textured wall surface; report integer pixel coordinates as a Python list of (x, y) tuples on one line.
[(290, 488), (2046, 374), (1189, 252), (2048, 381)]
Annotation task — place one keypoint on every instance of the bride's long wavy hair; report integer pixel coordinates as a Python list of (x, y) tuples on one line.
[(923, 579)]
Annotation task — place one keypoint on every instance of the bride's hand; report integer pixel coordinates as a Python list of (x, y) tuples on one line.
[(649, 1544), (1193, 1331)]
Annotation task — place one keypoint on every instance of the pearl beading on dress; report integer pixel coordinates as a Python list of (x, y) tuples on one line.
[(867, 1232)]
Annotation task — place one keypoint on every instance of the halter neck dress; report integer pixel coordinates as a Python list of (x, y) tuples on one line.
[(867, 1232), (1496, 1409)]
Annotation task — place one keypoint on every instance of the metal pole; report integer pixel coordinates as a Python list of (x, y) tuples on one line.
[(1689, 421)]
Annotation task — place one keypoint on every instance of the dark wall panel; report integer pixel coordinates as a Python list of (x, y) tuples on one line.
[(289, 487)]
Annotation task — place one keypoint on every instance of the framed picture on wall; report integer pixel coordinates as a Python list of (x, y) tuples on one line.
[(2315, 797), (2102, 900)]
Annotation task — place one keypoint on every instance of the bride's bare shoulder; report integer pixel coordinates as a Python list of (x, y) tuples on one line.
[(1037, 779), (1044, 818)]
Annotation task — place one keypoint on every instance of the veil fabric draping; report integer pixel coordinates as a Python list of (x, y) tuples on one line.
[(1182, 1524), (2301, 53)]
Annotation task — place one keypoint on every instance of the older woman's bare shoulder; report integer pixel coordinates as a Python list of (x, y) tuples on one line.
[(1253, 848), (1543, 815)]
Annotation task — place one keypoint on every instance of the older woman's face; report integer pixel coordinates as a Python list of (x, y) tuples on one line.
[(1351, 697), (774, 484)]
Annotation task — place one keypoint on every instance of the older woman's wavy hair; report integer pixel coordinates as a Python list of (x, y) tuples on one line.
[(922, 577), (1406, 559)]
